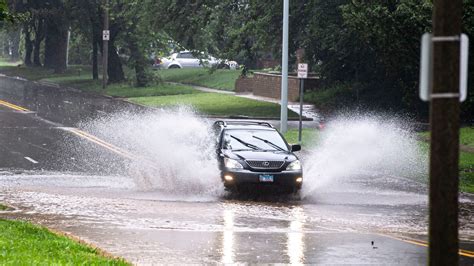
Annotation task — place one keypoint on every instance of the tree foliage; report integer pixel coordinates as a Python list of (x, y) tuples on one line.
[(366, 51)]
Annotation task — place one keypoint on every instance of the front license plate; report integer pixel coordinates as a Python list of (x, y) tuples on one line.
[(266, 178)]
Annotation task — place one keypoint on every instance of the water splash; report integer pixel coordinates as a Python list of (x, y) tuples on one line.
[(172, 150), (363, 148)]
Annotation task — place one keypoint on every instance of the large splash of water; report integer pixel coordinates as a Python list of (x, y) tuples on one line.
[(172, 151), (367, 147)]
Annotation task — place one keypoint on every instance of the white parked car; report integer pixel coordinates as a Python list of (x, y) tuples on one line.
[(186, 59)]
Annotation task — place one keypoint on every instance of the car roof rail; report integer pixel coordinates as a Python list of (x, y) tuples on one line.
[(240, 122)]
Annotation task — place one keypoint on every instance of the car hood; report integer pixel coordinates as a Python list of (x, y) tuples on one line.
[(260, 155)]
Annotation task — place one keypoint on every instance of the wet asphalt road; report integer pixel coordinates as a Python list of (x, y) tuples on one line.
[(47, 181)]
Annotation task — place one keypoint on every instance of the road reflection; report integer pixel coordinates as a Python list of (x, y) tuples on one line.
[(295, 237), (288, 245), (228, 252)]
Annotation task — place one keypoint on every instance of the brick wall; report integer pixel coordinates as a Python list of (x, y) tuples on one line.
[(269, 85)]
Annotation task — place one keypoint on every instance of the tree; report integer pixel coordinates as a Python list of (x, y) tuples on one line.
[(57, 26), (4, 14)]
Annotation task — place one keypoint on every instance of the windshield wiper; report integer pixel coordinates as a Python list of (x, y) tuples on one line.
[(271, 144), (246, 143)]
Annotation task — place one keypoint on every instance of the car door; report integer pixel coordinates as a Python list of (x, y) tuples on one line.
[(186, 59)]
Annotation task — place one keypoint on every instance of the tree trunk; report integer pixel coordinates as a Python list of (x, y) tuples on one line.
[(6, 46), (114, 70), (139, 62), (28, 45), (55, 53), (15, 45), (95, 50), (2, 41), (39, 36)]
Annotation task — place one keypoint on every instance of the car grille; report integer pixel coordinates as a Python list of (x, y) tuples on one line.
[(265, 164)]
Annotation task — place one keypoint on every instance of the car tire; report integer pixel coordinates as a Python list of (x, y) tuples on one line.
[(174, 67)]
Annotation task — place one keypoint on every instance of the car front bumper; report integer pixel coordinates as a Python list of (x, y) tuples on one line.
[(245, 177)]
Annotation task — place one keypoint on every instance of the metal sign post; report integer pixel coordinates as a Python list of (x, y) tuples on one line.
[(105, 39), (302, 75)]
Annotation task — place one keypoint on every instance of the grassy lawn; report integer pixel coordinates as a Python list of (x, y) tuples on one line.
[(216, 104), (37, 73), (22, 243), (222, 79), (308, 137), (123, 90), (466, 169), (6, 63), (467, 136)]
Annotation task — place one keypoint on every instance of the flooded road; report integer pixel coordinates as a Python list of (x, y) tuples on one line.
[(138, 195)]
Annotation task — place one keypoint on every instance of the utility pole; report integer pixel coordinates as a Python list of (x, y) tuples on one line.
[(105, 38), (444, 120), (284, 70)]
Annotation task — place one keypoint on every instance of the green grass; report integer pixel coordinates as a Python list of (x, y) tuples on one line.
[(309, 136), (22, 243), (222, 79), (37, 73), (216, 104), (466, 172), (123, 90), (467, 136), (4, 62)]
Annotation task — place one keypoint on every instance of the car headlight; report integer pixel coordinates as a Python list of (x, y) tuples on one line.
[(296, 165), (232, 164)]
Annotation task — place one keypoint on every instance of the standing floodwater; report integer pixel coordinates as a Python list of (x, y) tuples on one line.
[(151, 192)]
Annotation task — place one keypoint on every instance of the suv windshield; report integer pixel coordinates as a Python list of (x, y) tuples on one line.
[(244, 139)]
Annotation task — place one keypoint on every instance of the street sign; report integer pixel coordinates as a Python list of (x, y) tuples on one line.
[(105, 35), (302, 71), (426, 66)]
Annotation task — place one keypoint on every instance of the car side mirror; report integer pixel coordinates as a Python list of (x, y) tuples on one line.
[(295, 147)]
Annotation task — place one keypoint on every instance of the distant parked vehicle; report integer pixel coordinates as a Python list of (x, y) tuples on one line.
[(186, 59)]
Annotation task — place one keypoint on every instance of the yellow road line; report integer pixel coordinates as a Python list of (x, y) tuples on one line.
[(111, 147), (100, 142), (13, 106), (462, 252), (81, 134)]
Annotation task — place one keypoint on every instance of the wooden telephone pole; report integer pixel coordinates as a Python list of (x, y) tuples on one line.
[(444, 120)]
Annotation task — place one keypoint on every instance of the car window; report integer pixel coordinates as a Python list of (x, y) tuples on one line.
[(185, 55), (243, 139)]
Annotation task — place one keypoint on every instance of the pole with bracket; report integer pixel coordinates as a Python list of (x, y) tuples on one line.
[(440, 84)]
